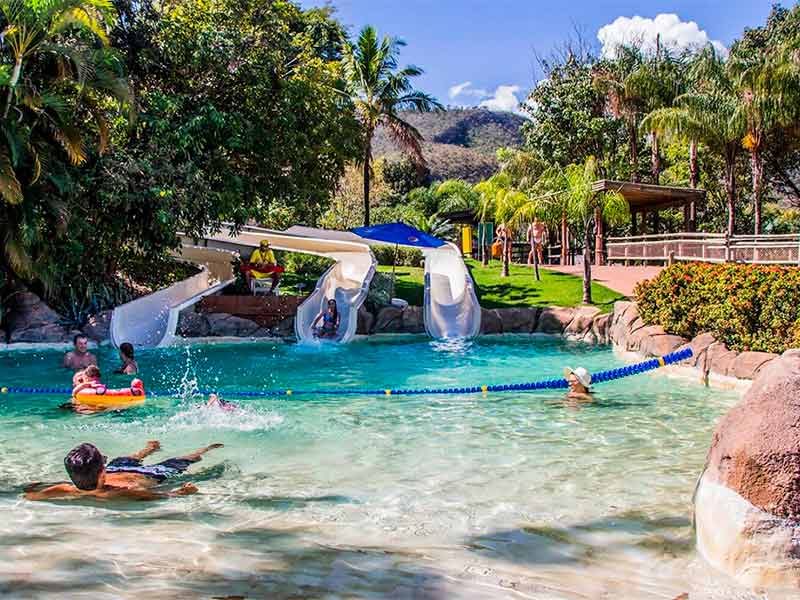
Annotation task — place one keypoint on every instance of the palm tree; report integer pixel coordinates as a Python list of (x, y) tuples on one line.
[(434, 224), (379, 90), (709, 114), (500, 201)]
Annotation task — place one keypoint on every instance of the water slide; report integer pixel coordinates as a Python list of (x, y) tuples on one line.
[(451, 307)]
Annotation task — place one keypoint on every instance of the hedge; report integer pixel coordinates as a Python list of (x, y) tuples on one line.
[(749, 307), (407, 257)]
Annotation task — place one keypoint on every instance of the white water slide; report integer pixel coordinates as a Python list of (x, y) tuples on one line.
[(451, 307)]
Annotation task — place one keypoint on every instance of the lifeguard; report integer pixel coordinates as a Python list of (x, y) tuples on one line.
[(262, 264)]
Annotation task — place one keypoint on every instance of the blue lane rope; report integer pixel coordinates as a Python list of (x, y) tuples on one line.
[(548, 384)]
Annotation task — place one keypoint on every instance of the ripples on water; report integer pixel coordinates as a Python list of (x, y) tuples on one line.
[(512, 495)]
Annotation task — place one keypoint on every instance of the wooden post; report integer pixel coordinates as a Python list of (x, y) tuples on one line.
[(687, 219), (633, 223), (598, 237)]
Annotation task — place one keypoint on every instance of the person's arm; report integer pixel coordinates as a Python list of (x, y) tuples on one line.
[(61, 490), (129, 369), (66, 363), (314, 324)]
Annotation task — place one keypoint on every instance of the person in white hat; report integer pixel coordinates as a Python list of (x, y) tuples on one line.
[(579, 381)]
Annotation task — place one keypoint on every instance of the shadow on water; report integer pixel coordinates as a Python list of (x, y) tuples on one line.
[(67, 578), (290, 502)]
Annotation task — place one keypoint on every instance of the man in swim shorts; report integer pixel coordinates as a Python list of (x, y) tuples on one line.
[(262, 264), (535, 235), (79, 357), (124, 478)]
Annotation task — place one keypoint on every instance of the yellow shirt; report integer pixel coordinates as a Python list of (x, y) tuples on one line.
[(259, 257)]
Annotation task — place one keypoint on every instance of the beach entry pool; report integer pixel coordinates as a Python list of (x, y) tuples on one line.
[(515, 495)]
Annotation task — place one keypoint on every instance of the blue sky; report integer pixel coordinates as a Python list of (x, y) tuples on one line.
[(491, 43)]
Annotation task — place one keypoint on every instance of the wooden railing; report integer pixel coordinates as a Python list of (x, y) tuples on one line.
[(706, 247)]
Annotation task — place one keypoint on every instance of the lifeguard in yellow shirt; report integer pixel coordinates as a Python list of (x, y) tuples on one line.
[(262, 264)]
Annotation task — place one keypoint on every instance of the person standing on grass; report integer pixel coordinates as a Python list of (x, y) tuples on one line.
[(535, 235)]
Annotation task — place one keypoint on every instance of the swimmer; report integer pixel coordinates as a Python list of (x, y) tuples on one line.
[(89, 378), (79, 357), (214, 401), (579, 381), (129, 364), (330, 321), (124, 478)]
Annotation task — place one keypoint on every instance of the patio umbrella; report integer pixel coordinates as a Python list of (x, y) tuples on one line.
[(398, 234)]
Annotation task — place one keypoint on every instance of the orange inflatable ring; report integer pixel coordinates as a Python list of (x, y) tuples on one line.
[(100, 397)]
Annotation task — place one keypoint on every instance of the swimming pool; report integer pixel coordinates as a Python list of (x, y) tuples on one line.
[(512, 495)]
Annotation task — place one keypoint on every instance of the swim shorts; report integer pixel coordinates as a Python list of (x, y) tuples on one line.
[(159, 471)]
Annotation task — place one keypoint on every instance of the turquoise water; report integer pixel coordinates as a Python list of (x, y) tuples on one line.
[(512, 495)]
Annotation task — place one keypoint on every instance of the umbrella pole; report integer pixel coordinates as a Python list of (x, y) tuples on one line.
[(394, 264)]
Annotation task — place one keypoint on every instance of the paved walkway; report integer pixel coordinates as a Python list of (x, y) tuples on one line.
[(616, 277)]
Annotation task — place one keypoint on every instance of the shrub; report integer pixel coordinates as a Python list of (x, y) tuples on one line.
[(380, 292), (305, 265), (406, 257), (749, 307)]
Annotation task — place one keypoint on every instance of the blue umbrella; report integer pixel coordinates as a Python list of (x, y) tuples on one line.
[(398, 233)]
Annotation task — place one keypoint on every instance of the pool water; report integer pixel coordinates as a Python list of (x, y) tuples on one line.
[(517, 495)]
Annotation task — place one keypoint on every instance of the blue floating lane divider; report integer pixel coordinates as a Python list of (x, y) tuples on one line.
[(549, 384)]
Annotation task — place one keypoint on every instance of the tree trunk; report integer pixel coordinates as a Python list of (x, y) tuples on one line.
[(757, 168), (598, 237), (536, 261), (506, 250), (587, 264), (655, 160), (730, 186), (633, 143), (366, 187), (564, 238), (694, 180)]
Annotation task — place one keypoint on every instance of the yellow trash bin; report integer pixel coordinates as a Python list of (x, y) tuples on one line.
[(466, 240)]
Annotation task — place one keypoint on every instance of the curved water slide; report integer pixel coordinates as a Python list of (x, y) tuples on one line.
[(451, 307)]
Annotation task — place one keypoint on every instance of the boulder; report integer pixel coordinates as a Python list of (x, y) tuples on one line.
[(747, 364), (554, 319), (192, 324), (635, 339), (31, 320), (699, 345), (98, 326), (413, 320), (389, 320), (601, 325), (581, 322), (747, 503), (518, 319), (284, 328), (490, 322), (625, 313), (225, 325), (365, 321), (661, 345), (719, 359)]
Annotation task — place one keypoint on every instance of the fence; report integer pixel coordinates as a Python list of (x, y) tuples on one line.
[(706, 247)]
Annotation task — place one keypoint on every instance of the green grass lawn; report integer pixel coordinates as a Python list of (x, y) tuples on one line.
[(519, 289)]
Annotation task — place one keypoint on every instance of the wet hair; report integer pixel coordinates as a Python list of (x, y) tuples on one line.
[(84, 464), (127, 349), (332, 302), (92, 371), (79, 336)]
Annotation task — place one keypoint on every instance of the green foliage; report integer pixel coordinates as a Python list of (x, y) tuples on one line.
[(748, 307), (305, 265), (380, 292), (403, 175), (409, 257)]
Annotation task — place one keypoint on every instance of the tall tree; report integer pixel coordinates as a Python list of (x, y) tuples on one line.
[(379, 90), (500, 201)]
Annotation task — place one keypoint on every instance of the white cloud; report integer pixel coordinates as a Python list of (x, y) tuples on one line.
[(504, 99), (466, 89), (675, 34)]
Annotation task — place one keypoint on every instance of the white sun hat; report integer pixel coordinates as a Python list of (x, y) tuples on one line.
[(581, 374)]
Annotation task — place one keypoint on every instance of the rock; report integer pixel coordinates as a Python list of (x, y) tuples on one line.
[(365, 321), (518, 319), (601, 325), (719, 359), (589, 338), (284, 328), (98, 326), (225, 325), (699, 345), (192, 324), (389, 320), (661, 345), (625, 313), (747, 504), (412, 320), (581, 322), (747, 364), (490, 322), (31, 320), (635, 339), (554, 319)]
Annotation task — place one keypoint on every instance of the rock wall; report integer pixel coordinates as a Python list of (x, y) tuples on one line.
[(747, 503), (195, 324)]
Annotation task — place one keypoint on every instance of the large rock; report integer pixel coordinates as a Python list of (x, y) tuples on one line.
[(518, 319), (581, 322), (284, 328), (747, 365), (389, 320), (554, 319), (192, 324), (625, 313), (661, 345), (490, 322), (413, 320), (601, 325), (699, 346), (636, 338), (747, 503), (719, 359), (225, 325), (31, 320), (98, 326), (365, 321)]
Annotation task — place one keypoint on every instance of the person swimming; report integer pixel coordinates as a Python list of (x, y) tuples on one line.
[(214, 401), (129, 364), (124, 478), (330, 321), (579, 381)]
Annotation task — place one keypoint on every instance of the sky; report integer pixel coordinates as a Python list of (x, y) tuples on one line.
[(482, 52)]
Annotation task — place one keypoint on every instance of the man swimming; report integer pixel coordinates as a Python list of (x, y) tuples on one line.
[(124, 478), (79, 357)]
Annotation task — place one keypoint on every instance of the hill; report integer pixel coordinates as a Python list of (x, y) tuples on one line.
[(459, 142)]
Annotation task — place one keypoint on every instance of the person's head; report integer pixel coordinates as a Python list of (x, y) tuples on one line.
[(536, 220), (91, 372), (81, 343), (213, 400), (578, 379), (332, 306), (86, 467), (126, 351), (264, 245)]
